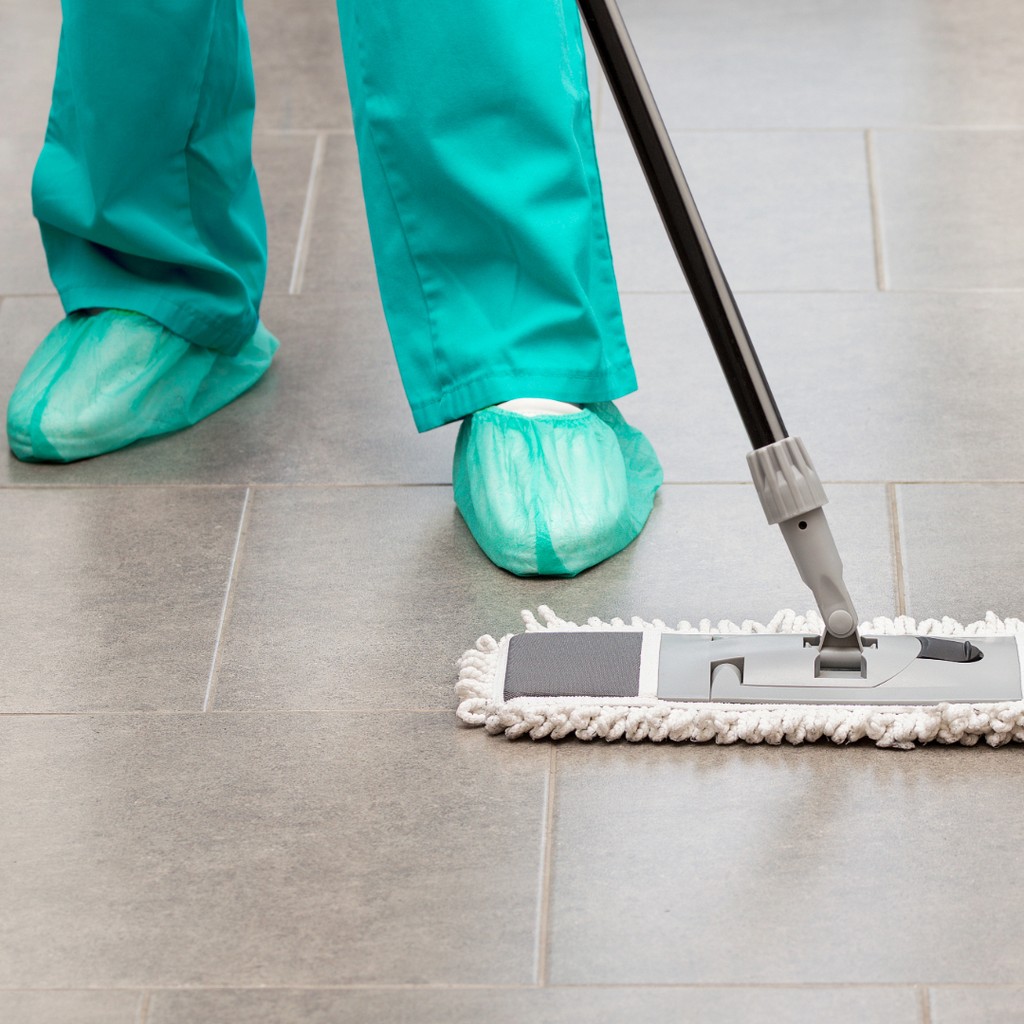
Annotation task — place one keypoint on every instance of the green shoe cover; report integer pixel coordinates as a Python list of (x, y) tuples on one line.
[(553, 495), (100, 381)]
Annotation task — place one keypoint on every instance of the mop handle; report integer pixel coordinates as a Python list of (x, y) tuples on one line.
[(787, 484), (711, 292)]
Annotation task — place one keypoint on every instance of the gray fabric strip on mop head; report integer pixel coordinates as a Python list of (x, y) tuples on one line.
[(574, 664)]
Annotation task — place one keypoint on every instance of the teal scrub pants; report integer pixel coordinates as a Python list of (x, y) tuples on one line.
[(478, 166)]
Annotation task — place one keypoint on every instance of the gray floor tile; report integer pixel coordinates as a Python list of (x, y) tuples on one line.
[(331, 409), (542, 1006), (683, 404), (785, 211), (22, 264), (751, 864), (952, 214), (980, 1005), (740, 65), (296, 53), (283, 164), (335, 410), (251, 850), (80, 1007), (112, 597), (340, 601), (28, 56), (707, 552), (879, 386), (962, 549), (340, 257)]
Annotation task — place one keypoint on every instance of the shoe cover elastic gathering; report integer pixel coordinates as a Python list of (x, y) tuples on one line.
[(553, 495), (100, 381)]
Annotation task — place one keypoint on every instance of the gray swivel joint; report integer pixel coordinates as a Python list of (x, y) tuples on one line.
[(792, 496)]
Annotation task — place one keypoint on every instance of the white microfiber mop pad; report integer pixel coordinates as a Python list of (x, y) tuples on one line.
[(639, 718)]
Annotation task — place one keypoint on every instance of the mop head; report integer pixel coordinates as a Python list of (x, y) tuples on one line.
[(645, 718)]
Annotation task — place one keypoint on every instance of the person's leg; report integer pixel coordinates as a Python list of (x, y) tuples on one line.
[(485, 210), (153, 228), (145, 191)]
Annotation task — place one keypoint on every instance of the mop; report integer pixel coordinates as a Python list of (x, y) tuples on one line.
[(796, 679)]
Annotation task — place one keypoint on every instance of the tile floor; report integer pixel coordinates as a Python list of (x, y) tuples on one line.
[(231, 783)]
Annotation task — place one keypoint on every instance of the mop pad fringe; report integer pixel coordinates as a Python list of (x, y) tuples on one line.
[(636, 718)]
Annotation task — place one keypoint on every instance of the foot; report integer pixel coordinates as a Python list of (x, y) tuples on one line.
[(549, 491), (102, 379)]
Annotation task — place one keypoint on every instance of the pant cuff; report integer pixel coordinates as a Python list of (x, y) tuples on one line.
[(461, 400), (226, 336)]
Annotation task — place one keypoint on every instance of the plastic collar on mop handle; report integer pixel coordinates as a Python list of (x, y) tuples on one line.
[(686, 232), (786, 480)]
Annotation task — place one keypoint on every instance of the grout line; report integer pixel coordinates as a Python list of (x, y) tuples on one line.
[(682, 129), (268, 486), (398, 485), (173, 712), (547, 860), (781, 292), (684, 986), (243, 523), (865, 482), (810, 129), (441, 485), (142, 1014), (897, 549), (306, 226), (787, 292), (921, 290), (875, 199), (597, 106), (925, 1004)]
